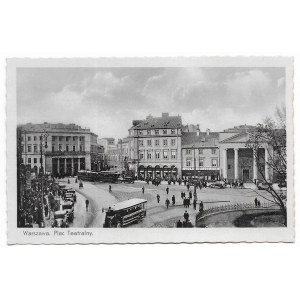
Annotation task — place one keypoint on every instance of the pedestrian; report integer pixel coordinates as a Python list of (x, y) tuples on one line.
[(258, 203), (190, 195), (46, 210), (143, 189), (87, 202), (188, 202), (255, 201), (179, 224), (186, 216), (173, 199), (201, 206), (68, 180), (167, 190), (181, 194), (188, 186), (158, 198), (167, 203), (109, 188), (195, 203)]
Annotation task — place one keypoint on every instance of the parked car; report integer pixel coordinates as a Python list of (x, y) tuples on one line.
[(263, 186), (68, 206), (60, 219), (217, 185)]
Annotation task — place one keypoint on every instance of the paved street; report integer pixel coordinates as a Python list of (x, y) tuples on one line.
[(157, 213)]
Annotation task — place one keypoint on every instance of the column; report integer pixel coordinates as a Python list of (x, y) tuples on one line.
[(254, 165), (225, 163), (236, 163), (78, 164), (65, 165), (58, 166), (72, 170), (266, 164)]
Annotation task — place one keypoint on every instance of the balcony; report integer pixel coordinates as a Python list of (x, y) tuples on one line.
[(66, 153)]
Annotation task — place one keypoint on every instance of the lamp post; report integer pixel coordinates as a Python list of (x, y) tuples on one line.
[(43, 137)]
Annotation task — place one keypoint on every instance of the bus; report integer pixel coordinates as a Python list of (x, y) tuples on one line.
[(125, 213)]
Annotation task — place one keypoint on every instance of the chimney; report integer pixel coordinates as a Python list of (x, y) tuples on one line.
[(198, 130), (207, 131)]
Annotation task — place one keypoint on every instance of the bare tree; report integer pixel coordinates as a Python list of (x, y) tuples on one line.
[(271, 136)]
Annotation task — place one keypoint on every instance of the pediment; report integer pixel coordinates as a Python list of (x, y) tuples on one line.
[(242, 137)]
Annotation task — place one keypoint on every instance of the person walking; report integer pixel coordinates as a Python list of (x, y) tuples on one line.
[(87, 202), (255, 201), (167, 190), (188, 186), (173, 199), (258, 203), (143, 190), (158, 198), (186, 216), (195, 204), (190, 195), (179, 224), (201, 206), (109, 188), (167, 203)]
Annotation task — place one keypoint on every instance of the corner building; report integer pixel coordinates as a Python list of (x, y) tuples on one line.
[(155, 146)]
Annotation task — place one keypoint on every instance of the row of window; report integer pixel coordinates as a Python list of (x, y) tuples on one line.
[(36, 149), (157, 142), (29, 160), (214, 162), (200, 151), (157, 154), (156, 131), (54, 138)]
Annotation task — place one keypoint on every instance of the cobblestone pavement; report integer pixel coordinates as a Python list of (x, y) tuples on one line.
[(157, 213)]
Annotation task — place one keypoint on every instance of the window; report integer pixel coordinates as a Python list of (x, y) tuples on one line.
[(29, 138), (141, 143), (34, 138), (35, 148), (29, 148), (141, 155), (53, 138), (74, 138), (149, 156), (214, 163), (67, 148), (165, 142), (157, 154), (200, 151), (165, 131), (148, 131), (60, 138), (165, 154), (60, 147), (35, 160), (156, 142), (188, 151), (141, 132), (229, 167), (156, 131), (53, 149), (188, 162), (213, 151), (201, 162), (173, 141), (74, 148), (149, 143), (172, 131), (80, 148), (29, 160), (173, 154)]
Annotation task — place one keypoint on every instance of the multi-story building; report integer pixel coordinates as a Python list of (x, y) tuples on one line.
[(65, 148), (156, 146), (200, 154), (110, 152)]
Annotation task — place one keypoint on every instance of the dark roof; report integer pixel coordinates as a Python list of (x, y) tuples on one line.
[(189, 139), (159, 123)]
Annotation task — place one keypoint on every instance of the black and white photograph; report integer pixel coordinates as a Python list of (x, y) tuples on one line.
[(184, 147)]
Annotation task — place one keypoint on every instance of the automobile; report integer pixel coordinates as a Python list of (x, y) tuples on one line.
[(68, 206), (128, 179), (60, 219), (69, 197), (217, 185), (263, 186)]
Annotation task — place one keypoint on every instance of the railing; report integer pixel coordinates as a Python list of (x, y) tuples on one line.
[(65, 153), (234, 207)]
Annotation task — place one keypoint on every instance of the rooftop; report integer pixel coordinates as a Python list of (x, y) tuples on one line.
[(189, 139), (165, 121)]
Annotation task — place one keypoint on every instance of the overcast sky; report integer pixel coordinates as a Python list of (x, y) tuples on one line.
[(106, 100)]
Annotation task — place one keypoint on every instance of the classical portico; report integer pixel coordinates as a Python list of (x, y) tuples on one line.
[(239, 161)]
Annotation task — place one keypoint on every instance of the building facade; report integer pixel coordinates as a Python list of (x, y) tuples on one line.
[(200, 155), (65, 148), (156, 146)]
